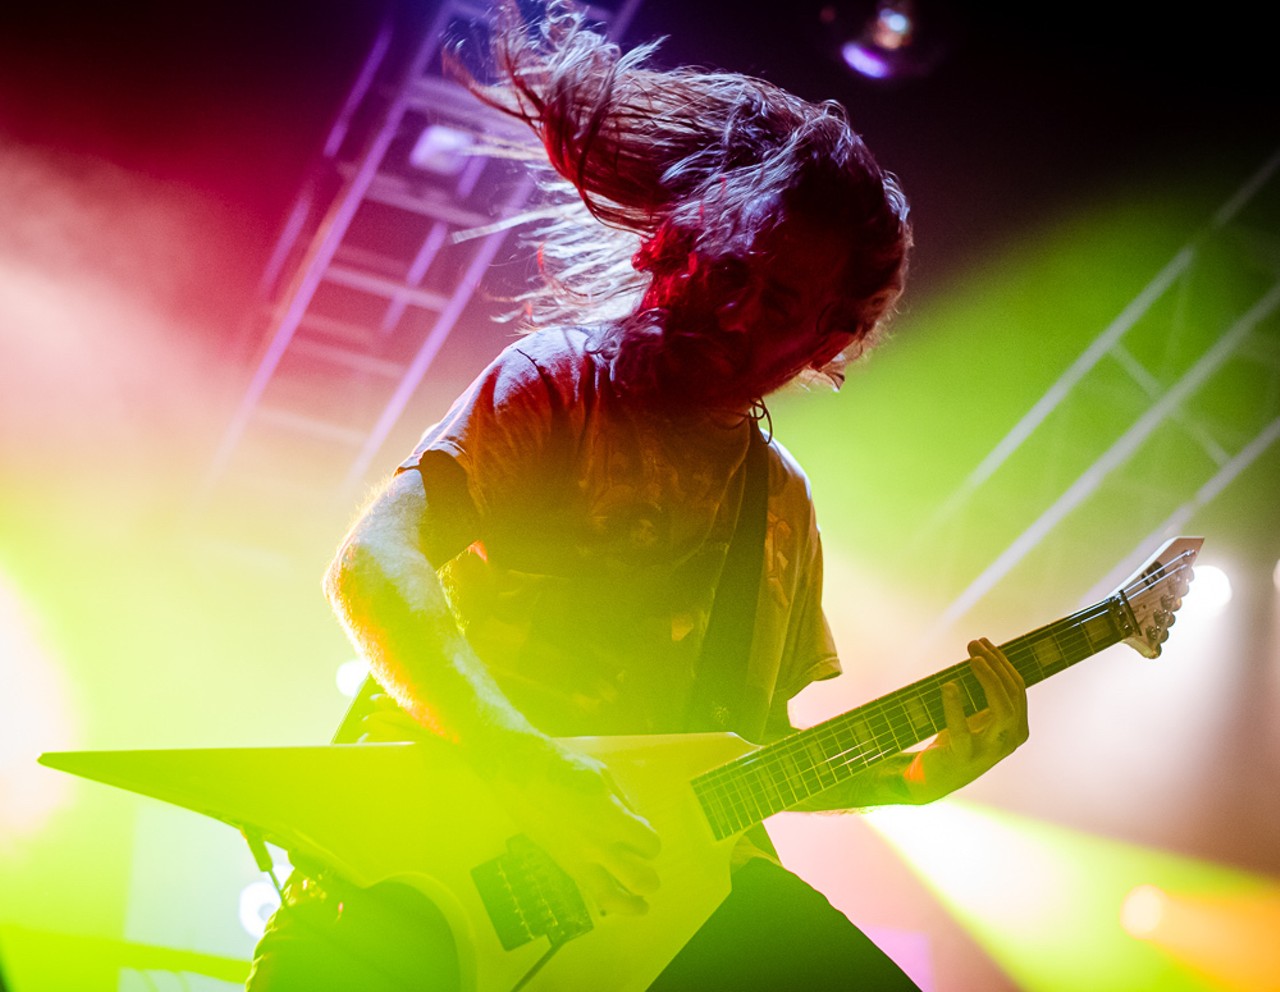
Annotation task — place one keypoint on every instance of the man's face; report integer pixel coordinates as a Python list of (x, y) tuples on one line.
[(795, 313)]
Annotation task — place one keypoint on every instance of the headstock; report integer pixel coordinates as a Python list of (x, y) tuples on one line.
[(1152, 595)]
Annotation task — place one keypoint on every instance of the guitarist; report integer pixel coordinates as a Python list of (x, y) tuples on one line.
[(546, 563)]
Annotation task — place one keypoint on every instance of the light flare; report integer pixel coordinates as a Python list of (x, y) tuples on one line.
[(35, 716)]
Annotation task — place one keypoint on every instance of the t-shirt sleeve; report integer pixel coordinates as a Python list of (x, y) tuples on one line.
[(815, 649), (502, 431)]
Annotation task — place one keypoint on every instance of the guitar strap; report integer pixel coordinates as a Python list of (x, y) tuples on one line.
[(716, 702)]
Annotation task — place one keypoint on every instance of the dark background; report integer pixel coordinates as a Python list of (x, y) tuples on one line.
[(1026, 105)]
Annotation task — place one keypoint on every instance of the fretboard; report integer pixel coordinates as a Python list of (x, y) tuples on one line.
[(784, 774)]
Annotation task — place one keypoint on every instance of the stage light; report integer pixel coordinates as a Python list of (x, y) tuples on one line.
[(441, 150), (866, 61), (893, 27), (258, 900), (889, 45), (350, 676), (1142, 911), (1210, 592)]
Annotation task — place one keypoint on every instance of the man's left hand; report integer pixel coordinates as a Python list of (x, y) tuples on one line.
[(970, 745)]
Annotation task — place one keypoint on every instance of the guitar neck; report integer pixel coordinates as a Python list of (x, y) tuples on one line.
[(784, 774)]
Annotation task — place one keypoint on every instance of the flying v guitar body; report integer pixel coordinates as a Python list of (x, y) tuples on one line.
[(415, 813)]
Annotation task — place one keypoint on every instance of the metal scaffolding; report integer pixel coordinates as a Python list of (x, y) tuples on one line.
[(367, 280), (1166, 392)]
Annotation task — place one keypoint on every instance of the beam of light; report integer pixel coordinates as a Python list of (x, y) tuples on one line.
[(35, 715), (1035, 896)]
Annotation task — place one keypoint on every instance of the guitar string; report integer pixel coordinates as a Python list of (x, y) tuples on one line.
[(774, 775), (892, 715), (902, 729), (775, 768), (891, 710), (1071, 636), (863, 750)]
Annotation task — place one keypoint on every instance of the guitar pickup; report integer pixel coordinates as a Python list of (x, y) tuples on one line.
[(527, 896)]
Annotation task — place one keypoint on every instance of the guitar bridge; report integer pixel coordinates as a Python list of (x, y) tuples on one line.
[(527, 896)]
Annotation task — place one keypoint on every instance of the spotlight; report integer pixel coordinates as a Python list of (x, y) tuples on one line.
[(891, 44), (441, 150), (350, 676), (1143, 909), (258, 900), (1211, 591)]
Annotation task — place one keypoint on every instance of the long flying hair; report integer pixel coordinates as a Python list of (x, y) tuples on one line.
[(660, 184)]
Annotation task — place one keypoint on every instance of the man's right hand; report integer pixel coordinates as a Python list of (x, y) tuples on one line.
[(568, 804), (388, 594)]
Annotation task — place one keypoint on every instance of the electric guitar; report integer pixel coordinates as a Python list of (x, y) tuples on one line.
[(415, 813)]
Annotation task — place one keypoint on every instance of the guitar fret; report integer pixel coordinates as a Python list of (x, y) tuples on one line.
[(714, 806), (738, 802), (768, 790), (1058, 646), (850, 737), (810, 776), (1097, 631), (787, 779), (916, 713), (784, 778), (713, 791), (1023, 658), (1047, 654), (1073, 643), (790, 774), (831, 748), (879, 727)]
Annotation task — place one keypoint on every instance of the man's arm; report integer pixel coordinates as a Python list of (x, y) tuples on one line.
[(967, 748), (384, 587)]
